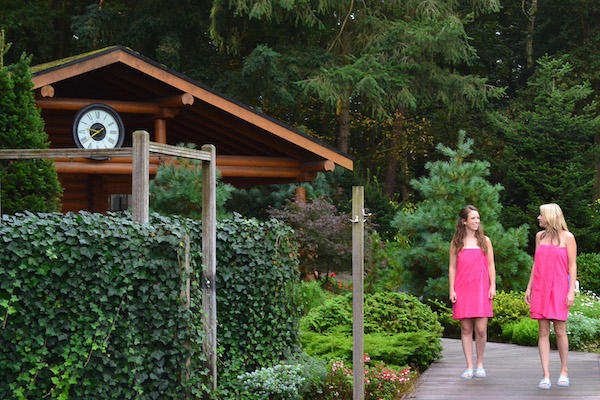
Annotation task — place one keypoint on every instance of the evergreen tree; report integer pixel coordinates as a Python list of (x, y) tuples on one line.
[(30, 185), (177, 189), (429, 228), (550, 151), (390, 60)]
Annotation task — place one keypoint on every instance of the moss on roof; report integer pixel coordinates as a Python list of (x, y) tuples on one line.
[(52, 64)]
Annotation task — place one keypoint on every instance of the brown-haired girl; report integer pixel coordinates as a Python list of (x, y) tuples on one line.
[(472, 279)]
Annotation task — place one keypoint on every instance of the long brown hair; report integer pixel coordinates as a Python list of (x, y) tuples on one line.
[(461, 231)]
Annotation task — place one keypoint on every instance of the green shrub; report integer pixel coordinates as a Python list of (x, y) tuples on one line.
[(257, 274), (31, 185), (280, 382), (91, 308), (588, 271), (584, 332), (444, 313), (509, 307), (91, 305), (335, 313), (310, 295), (177, 190), (389, 312), (586, 303), (283, 381), (418, 349), (385, 312), (399, 330), (524, 332)]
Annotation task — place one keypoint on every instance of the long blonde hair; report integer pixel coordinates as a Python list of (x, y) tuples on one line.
[(555, 221), (461, 231)]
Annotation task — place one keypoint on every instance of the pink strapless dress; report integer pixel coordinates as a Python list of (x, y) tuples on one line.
[(550, 283), (472, 285)]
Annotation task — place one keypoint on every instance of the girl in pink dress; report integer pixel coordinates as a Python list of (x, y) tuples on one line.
[(472, 279), (551, 288)]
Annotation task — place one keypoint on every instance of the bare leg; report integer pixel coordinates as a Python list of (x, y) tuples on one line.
[(480, 338), (544, 345), (562, 342), (466, 333)]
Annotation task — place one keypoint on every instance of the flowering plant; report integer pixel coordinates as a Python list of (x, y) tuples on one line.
[(335, 285), (381, 382)]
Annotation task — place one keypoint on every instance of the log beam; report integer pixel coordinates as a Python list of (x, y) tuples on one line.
[(237, 161), (97, 168), (133, 107), (47, 91), (318, 166)]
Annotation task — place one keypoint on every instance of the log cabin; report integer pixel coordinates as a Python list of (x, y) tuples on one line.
[(78, 95)]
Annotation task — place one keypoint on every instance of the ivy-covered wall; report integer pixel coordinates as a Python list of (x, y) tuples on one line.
[(89, 305), (257, 310)]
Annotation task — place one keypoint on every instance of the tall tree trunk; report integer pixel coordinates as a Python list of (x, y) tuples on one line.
[(530, 14), (404, 173), (597, 169), (398, 154), (391, 166), (344, 132)]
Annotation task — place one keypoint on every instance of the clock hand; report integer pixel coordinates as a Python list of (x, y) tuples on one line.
[(96, 131)]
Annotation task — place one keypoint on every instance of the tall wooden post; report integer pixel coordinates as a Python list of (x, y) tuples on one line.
[(358, 259), (209, 254), (139, 176)]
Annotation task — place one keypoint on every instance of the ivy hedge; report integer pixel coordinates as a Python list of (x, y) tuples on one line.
[(90, 306), (258, 305)]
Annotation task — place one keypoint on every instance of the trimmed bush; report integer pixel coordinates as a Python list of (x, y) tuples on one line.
[(399, 330), (418, 349), (257, 279), (91, 309), (588, 271), (283, 381), (90, 305), (509, 307), (310, 295), (524, 332), (584, 333)]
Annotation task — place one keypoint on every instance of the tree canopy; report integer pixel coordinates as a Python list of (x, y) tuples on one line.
[(384, 81)]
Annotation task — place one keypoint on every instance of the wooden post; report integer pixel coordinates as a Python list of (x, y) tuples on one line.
[(300, 195), (209, 254), (160, 130), (185, 299), (139, 176), (358, 249)]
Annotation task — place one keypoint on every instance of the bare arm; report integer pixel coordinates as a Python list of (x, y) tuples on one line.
[(572, 260), (491, 269), (528, 290), (452, 273)]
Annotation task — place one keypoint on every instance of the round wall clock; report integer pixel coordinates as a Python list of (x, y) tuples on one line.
[(98, 126)]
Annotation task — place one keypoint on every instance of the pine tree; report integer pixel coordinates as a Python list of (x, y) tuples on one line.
[(550, 153), (30, 185), (429, 228), (177, 189)]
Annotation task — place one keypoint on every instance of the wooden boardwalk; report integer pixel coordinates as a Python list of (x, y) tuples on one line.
[(512, 373)]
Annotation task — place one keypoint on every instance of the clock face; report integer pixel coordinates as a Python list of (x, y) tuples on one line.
[(98, 126)]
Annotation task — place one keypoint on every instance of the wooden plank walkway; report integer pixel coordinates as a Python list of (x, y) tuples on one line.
[(512, 373)]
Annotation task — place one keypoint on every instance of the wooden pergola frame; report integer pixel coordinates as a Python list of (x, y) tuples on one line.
[(139, 154)]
